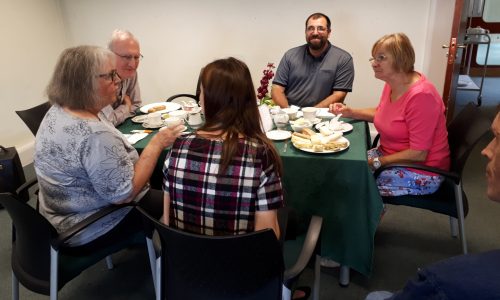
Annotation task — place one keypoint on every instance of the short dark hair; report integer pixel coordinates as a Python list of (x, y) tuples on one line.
[(320, 15)]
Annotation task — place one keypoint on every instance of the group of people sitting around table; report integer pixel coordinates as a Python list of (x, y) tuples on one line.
[(226, 177)]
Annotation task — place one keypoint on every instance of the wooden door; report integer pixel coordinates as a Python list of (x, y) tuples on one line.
[(454, 57)]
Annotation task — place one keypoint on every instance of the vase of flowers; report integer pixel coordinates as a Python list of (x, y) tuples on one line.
[(263, 91)]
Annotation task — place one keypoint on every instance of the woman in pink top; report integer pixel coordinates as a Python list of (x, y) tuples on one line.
[(410, 119)]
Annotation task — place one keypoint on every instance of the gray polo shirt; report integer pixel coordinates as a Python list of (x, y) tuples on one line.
[(308, 80)]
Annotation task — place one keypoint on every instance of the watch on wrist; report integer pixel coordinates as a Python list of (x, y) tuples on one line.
[(376, 163)]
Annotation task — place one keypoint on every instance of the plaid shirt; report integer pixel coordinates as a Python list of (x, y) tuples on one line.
[(204, 202)]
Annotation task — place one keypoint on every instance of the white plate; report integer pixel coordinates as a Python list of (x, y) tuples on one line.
[(314, 122), (341, 139), (140, 119), (346, 127), (278, 135), (169, 106)]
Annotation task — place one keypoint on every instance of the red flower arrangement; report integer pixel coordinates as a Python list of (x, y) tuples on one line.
[(262, 91)]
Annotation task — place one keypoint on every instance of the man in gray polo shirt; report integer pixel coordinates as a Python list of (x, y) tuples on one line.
[(314, 74)]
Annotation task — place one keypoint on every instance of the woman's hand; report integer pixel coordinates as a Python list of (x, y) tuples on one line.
[(340, 108), (365, 114), (167, 136), (144, 166)]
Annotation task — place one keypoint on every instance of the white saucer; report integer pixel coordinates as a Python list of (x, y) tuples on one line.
[(153, 126), (140, 119), (278, 135)]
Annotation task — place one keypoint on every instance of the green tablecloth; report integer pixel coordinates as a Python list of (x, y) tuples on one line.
[(339, 187)]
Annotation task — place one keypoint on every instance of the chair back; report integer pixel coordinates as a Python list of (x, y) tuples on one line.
[(30, 244), (248, 266), (464, 132), (195, 97), (32, 117)]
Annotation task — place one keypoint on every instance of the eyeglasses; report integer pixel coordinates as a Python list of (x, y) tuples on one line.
[(113, 76), (320, 29), (379, 58), (130, 57)]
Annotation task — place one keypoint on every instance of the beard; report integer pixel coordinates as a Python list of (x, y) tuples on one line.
[(316, 45)]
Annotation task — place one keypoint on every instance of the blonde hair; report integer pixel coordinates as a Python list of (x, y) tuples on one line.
[(398, 45)]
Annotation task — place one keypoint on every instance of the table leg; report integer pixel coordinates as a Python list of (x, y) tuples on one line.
[(317, 273), (344, 276)]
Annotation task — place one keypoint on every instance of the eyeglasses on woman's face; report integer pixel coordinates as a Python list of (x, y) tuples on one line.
[(111, 76), (378, 59)]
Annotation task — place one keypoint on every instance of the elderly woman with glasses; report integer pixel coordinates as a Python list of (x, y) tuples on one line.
[(82, 162), (410, 119)]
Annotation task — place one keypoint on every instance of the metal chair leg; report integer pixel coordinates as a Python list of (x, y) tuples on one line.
[(152, 256), (286, 293), (344, 276), (454, 227), (109, 262), (158, 278), (15, 287), (460, 214), (53, 273), (317, 273)]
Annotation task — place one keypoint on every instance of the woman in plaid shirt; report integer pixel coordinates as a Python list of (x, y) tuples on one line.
[(226, 178)]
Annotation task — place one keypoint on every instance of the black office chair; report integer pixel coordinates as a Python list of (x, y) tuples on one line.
[(39, 254), (248, 266), (12, 173), (469, 126), (32, 117), (196, 97)]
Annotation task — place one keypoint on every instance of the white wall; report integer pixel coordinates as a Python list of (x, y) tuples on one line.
[(32, 36), (178, 37)]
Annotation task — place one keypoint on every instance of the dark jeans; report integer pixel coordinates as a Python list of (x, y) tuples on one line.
[(129, 227)]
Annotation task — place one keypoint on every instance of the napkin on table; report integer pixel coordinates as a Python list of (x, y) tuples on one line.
[(135, 137), (265, 117)]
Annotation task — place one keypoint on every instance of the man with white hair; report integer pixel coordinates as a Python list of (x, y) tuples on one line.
[(472, 276), (128, 55)]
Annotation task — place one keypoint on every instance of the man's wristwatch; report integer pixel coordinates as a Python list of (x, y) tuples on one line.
[(376, 163)]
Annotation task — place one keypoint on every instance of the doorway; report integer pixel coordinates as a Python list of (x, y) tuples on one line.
[(469, 14)]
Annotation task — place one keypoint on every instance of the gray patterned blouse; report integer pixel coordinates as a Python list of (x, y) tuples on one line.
[(82, 166)]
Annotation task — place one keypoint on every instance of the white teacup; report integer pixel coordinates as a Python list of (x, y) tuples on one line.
[(280, 120), (154, 119), (291, 112), (173, 121), (178, 113), (309, 113), (189, 106), (194, 119)]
